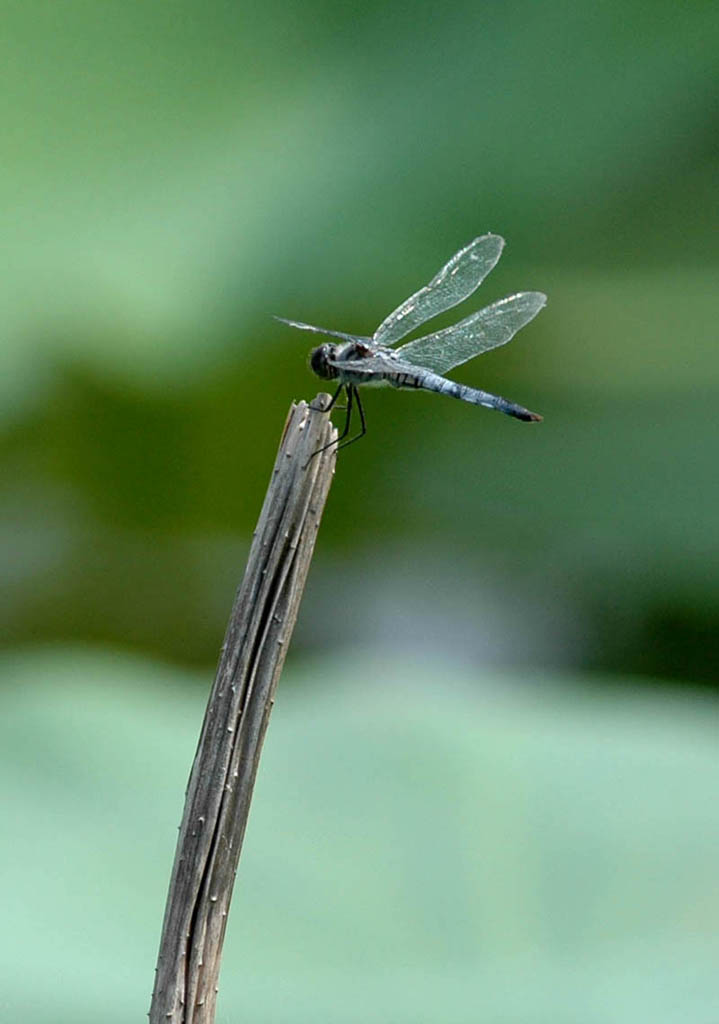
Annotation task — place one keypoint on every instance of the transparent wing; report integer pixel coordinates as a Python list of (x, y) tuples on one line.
[(492, 326), (455, 282), (319, 330)]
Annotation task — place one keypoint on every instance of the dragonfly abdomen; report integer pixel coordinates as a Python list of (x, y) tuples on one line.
[(475, 396)]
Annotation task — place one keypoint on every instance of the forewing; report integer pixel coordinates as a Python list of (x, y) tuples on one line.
[(319, 330), (455, 282), (488, 328)]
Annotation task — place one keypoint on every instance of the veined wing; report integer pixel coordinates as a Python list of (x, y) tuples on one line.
[(488, 328), (455, 282), (319, 330)]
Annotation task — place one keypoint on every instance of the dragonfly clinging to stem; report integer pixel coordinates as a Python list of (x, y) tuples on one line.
[(354, 360)]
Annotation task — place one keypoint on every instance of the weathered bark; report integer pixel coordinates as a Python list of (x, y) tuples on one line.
[(223, 773)]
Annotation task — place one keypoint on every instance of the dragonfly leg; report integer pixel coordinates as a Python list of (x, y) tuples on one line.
[(352, 390), (348, 419)]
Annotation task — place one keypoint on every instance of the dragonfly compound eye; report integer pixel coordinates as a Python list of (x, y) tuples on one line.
[(319, 362)]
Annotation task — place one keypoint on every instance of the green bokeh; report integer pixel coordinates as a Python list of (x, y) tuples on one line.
[(172, 175)]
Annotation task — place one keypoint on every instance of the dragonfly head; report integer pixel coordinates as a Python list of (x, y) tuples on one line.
[(320, 361)]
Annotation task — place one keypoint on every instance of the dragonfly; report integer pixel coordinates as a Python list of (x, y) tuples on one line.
[(354, 360)]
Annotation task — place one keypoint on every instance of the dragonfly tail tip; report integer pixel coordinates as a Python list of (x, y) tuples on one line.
[(524, 414)]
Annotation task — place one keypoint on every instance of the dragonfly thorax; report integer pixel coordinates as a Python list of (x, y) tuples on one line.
[(320, 361)]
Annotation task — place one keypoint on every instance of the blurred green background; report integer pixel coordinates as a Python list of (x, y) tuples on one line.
[(488, 791)]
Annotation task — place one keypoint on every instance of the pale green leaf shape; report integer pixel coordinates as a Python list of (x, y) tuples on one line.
[(425, 845)]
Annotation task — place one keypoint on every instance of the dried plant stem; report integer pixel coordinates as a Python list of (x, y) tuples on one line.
[(223, 773)]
